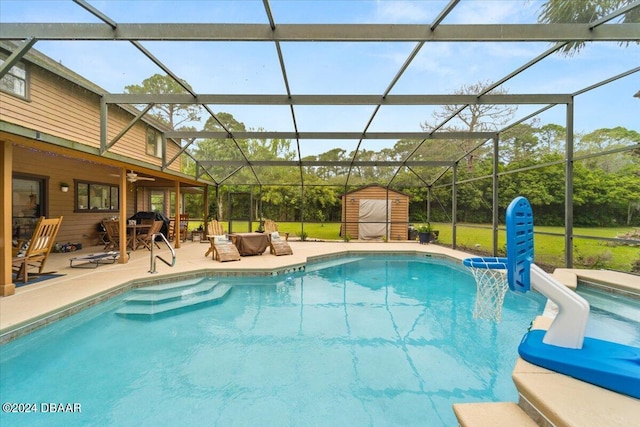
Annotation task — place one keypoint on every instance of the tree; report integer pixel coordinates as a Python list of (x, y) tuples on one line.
[(583, 11), (601, 140), (173, 115), (474, 118)]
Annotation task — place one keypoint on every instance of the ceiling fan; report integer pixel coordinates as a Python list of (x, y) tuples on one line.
[(133, 177)]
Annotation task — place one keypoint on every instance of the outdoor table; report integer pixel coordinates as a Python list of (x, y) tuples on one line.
[(250, 243)]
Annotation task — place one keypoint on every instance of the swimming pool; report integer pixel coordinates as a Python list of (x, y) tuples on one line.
[(354, 341)]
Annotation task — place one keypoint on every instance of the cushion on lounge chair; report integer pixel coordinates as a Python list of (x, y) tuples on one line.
[(220, 239)]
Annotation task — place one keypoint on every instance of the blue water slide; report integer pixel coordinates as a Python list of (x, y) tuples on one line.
[(563, 347)]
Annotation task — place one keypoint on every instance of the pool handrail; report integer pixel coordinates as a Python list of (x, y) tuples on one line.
[(152, 268)]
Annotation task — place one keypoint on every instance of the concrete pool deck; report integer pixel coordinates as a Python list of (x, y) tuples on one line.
[(558, 399)]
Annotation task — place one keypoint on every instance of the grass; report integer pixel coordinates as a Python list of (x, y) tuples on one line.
[(549, 250)]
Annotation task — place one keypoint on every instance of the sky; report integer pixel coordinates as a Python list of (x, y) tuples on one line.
[(344, 68)]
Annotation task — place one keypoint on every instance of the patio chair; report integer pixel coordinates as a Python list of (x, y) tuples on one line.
[(278, 246), (223, 249), (183, 220), (147, 239), (270, 226), (37, 249), (214, 228), (184, 226), (112, 228)]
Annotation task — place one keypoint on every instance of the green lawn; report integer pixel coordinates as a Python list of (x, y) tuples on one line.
[(549, 250)]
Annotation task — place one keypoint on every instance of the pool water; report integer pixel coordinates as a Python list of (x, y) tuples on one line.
[(360, 341), (612, 317)]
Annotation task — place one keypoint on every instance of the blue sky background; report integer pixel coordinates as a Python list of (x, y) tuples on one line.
[(343, 68)]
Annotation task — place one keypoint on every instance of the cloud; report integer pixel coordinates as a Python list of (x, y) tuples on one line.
[(494, 12), (405, 11)]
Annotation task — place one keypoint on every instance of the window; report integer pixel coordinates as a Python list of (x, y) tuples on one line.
[(91, 196), (157, 201), (27, 204), (154, 143), (15, 81)]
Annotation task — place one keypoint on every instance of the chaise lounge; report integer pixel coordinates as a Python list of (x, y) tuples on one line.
[(223, 249), (279, 246)]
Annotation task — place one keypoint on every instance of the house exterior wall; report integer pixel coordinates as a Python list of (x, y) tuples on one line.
[(399, 211), (60, 108), (64, 110), (77, 227)]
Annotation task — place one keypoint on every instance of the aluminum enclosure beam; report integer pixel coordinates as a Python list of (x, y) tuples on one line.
[(321, 32), (256, 99), (329, 135), (311, 163)]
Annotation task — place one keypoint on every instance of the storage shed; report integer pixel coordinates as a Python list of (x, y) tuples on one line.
[(375, 212)]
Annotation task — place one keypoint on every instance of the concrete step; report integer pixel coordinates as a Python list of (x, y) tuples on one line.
[(314, 266), (168, 287), (172, 306), (492, 414), (169, 294)]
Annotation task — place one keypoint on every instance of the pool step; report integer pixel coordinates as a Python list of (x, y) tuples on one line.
[(157, 296), (168, 287), (170, 301), (314, 266), (492, 414)]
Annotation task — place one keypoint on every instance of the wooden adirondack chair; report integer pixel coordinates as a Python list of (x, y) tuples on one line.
[(38, 247), (223, 249), (279, 246), (270, 226)]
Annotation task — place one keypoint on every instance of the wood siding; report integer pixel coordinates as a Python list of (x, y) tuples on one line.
[(62, 109), (399, 211), (77, 227)]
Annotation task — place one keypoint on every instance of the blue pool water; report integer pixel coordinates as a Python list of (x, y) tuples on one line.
[(366, 341)]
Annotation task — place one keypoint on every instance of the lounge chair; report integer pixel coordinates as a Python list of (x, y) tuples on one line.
[(270, 226), (147, 239), (278, 246), (214, 228), (37, 249), (223, 249), (94, 260)]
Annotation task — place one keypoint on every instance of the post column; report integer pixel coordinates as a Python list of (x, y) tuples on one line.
[(7, 287)]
